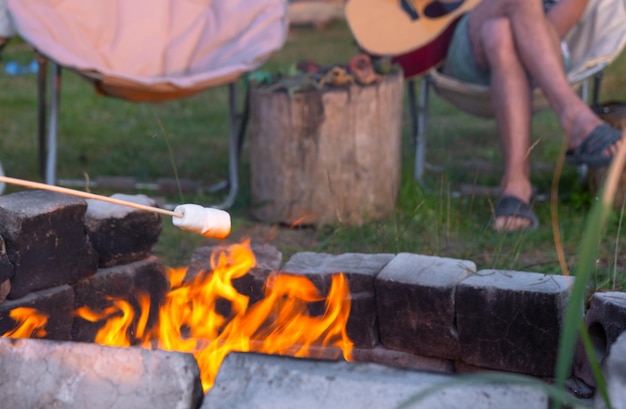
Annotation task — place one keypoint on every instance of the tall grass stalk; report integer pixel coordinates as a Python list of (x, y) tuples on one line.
[(594, 362), (554, 209), (616, 253), (170, 154), (591, 238)]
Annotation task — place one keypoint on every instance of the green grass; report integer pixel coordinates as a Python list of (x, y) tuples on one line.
[(100, 136)]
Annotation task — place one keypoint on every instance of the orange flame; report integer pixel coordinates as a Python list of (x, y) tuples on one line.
[(189, 320), (30, 323)]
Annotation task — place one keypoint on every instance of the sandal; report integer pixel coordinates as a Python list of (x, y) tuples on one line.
[(591, 151), (514, 207)]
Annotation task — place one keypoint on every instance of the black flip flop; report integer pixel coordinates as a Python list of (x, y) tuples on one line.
[(512, 206), (591, 151)]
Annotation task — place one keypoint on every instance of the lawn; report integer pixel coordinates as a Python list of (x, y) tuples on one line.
[(100, 136)]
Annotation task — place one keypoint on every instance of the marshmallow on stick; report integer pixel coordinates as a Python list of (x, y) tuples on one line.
[(206, 221)]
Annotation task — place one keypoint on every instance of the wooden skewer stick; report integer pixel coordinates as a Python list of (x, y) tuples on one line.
[(86, 195)]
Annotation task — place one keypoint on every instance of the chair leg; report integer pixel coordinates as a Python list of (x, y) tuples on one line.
[(47, 151), (42, 84), (597, 84), (55, 96), (420, 135), (237, 128), (410, 85)]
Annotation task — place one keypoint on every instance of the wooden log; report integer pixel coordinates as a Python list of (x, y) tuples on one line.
[(326, 156)]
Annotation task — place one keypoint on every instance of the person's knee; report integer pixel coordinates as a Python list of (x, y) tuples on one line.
[(511, 7), (497, 39)]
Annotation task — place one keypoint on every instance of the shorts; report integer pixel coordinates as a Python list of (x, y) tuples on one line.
[(460, 62)]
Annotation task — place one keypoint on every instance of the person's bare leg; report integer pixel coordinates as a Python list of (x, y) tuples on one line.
[(510, 93), (536, 42)]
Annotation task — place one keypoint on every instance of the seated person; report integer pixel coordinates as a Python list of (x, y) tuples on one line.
[(513, 45)]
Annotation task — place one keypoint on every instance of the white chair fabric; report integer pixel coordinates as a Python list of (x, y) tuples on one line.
[(153, 45), (150, 50)]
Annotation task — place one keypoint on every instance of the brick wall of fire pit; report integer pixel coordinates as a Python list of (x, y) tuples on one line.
[(60, 253)]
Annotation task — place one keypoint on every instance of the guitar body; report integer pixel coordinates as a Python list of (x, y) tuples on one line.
[(416, 33), (418, 62)]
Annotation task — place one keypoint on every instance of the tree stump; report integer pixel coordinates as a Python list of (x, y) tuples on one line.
[(326, 156), (614, 113)]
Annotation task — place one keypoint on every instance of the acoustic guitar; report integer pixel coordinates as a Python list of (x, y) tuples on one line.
[(416, 33)]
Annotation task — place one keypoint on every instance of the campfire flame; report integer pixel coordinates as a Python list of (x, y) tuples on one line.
[(30, 323), (190, 321)]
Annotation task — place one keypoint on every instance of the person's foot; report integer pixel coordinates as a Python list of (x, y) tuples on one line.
[(516, 188), (598, 148), (513, 214), (592, 140)]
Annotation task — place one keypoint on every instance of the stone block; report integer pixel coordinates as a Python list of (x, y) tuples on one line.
[(605, 321), (56, 304), (511, 320), (398, 359), (122, 234), (70, 375), (45, 239), (416, 304), (272, 382), (6, 268), (614, 372), (360, 271), (120, 282), (5, 289)]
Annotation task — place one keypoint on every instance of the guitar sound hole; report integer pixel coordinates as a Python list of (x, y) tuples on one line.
[(441, 8)]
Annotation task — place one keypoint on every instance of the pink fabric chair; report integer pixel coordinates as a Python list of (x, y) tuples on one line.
[(150, 51)]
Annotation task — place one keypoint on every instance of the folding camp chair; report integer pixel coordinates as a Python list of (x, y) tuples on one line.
[(149, 51), (594, 43)]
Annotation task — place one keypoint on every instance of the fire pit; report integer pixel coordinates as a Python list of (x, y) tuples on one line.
[(407, 311)]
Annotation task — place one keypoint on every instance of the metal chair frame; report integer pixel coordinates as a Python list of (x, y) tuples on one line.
[(48, 127)]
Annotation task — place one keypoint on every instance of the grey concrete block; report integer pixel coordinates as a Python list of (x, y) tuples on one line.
[(123, 282), (122, 234), (56, 304), (605, 321), (6, 268), (511, 321), (398, 359), (5, 289), (360, 270), (614, 372), (253, 381), (318, 352), (45, 239), (416, 304), (38, 374)]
